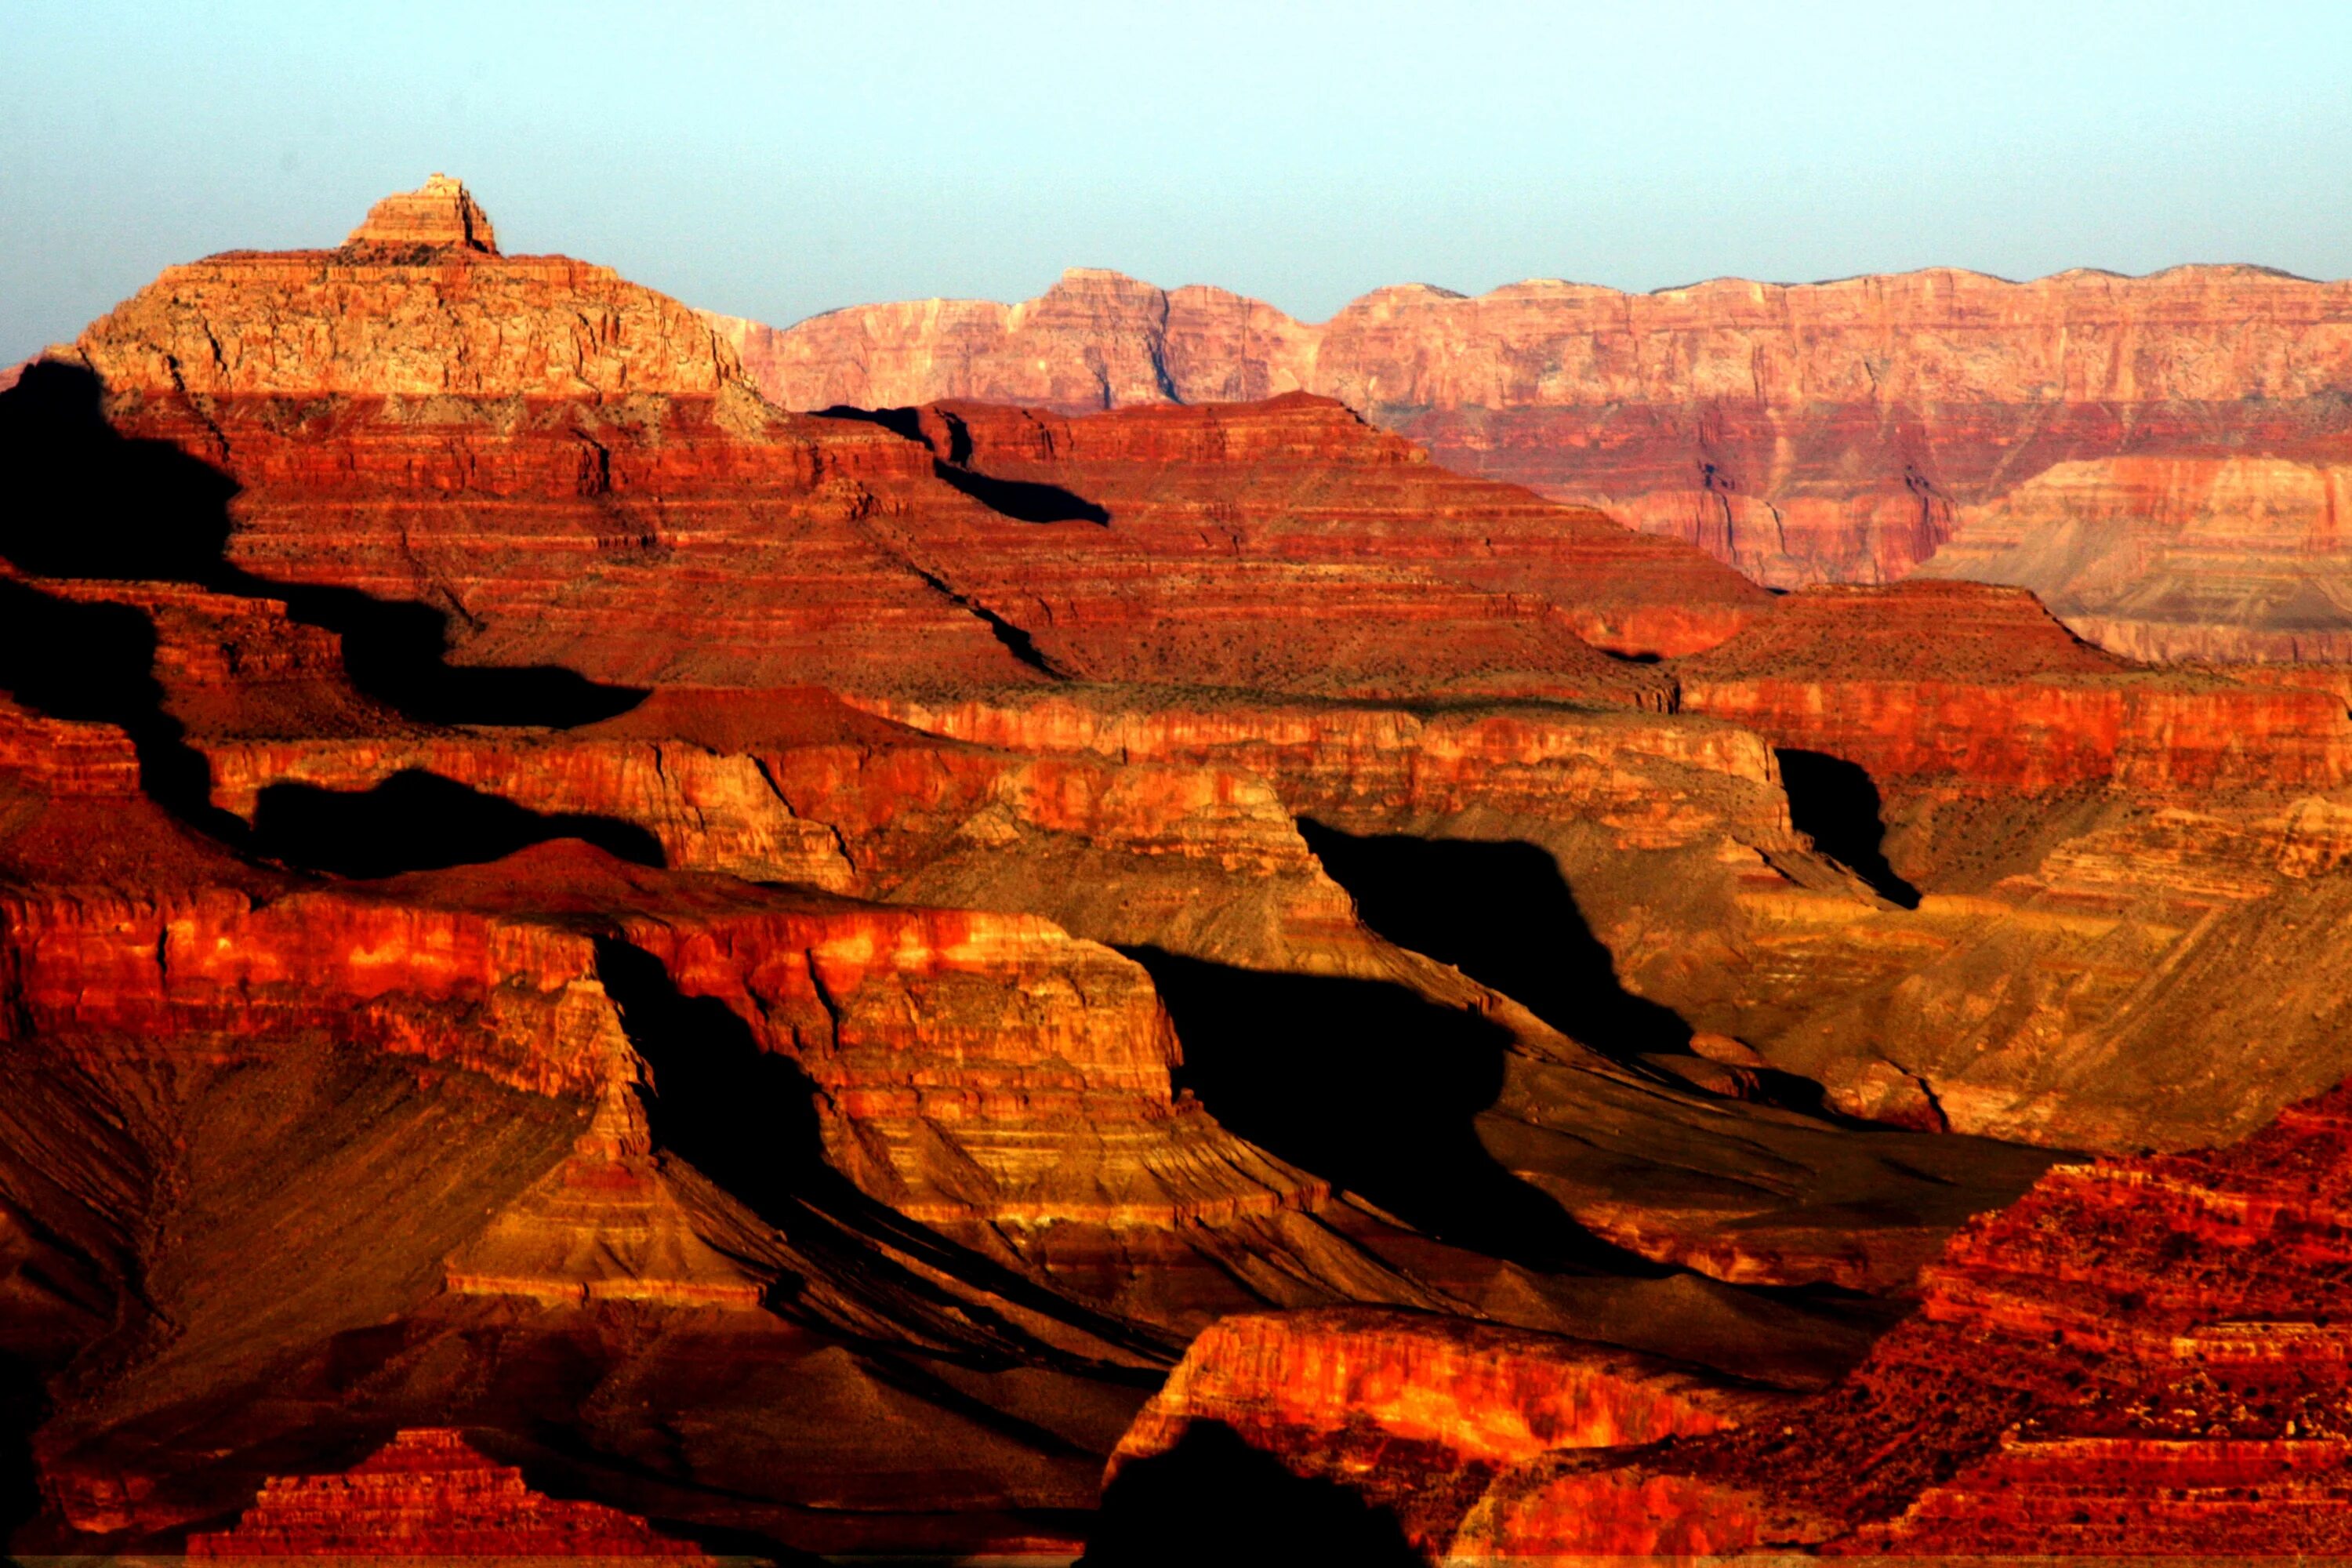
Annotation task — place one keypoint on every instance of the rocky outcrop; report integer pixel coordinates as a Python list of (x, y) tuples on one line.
[(2154, 455), (1419, 1413), (439, 212), (2136, 1356), (1651, 782), (540, 891), (1296, 496), (429, 1493), (549, 455), (1979, 688)]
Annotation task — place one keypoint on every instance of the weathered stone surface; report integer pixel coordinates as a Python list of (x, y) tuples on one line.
[(2155, 455), (1419, 1412), (429, 1493), (439, 212), (812, 1083), (2138, 1356)]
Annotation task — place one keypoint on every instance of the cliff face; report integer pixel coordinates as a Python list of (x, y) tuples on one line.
[(551, 456), (1419, 1413), (2152, 454), (779, 968), (1982, 688), (2138, 1356)]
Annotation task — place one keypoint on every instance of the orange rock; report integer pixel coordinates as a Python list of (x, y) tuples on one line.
[(1413, 1409), (439, 212), (2138, 1355), (2154, 454), (429, 1493)]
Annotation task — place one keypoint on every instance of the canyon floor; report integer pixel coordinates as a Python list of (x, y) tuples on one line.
[(594, 964)]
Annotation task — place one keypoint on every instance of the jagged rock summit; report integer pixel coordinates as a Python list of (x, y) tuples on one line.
[(439, 212)]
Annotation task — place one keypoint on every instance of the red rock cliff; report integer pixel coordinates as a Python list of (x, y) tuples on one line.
[(2153, 455), (2138, 1356)]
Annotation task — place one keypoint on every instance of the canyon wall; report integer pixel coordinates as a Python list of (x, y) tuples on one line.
[(779, 967), (2158, 457), (2138, 1356)]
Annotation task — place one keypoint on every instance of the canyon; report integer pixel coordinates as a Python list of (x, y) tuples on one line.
[(2162, 459), (599, 963)]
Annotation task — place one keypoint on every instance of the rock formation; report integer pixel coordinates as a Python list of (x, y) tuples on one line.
[(2159, 457), (429, 1493), (779, 968), (2139, 1356), (1419, 1414), (441, 212)]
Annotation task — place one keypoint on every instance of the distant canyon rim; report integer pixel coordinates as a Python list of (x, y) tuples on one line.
[(2163, 459)]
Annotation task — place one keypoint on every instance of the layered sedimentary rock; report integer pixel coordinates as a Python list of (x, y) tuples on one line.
[(2158, 457), (2049, 968), (2138, 1356), (439, 212), (779, 968), (1215, 497), (1419, 1413), (1979, 688), (551, 456), (429, 1493)]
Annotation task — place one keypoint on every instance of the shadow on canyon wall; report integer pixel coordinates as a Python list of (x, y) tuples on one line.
[(87, 501), (20, 1411), (747, 1119), (1023, 500), (1371, 1088), (419, 821), (1501, 913), (1214, 1499), (1836, 803), (95, 663)]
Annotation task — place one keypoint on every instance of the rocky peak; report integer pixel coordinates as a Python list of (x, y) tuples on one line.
[(439, 212)]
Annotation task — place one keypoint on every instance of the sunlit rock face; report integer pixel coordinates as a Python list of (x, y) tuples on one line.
[(813, 978), (2138, 1356), (429, 1493), (2159, 457), (441, 212), (1417, 1413)]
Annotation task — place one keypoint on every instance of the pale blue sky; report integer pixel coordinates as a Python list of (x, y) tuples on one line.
[(775, 161)]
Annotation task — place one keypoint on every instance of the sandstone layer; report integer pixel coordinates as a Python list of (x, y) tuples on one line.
[(428, 1493), (2140, 1356), (2159, 457), (778, 968)]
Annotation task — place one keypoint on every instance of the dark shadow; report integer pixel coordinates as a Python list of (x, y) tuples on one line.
[(417, 821), (1014, 640), (21, 1406), (1835, 803), (747, 1119), (1023, 500), (1502, 913), (1373, 1089), (87, 501), (95, 662), (905, 422), (744, 1117), (958, 450), (396, 651), (1212, 1498)]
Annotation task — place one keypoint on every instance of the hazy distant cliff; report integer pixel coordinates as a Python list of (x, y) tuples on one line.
[(2162, 458)]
